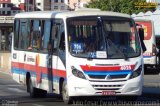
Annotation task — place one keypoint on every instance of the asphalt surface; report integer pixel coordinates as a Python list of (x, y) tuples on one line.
[(14, 94)]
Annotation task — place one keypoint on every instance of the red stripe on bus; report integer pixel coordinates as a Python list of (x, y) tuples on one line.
[(106, 68), (39, 69)]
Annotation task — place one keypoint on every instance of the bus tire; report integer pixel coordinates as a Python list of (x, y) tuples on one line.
[(42, 93), (66, 98), (27, 81), (32, 90), (157, 63)]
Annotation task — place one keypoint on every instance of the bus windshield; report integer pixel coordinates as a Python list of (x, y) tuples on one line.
[(103, 37)]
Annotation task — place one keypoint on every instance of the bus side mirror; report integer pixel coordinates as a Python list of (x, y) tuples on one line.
[(141, 33)]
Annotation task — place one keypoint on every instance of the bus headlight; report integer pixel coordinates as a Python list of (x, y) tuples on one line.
[(136, 73), (77, 73)]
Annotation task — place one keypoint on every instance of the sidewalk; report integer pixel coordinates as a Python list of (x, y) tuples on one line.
[(5, 72), (5, 61)]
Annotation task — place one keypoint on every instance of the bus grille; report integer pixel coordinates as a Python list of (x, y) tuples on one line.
[(111, 76), (107, 87), (97, 76)]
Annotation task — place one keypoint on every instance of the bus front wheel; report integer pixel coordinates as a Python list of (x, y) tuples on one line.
[(66, 98)]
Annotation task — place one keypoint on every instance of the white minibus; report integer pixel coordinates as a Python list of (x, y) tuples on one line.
[(77, 53)]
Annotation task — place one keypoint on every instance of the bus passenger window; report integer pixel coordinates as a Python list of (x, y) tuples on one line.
[(23, 34), (54, 37), (34, 38), (30, 36), (46, 34)]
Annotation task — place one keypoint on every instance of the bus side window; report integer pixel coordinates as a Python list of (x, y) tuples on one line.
[(30, 35), (36, 34), (54, 37), (45, 35), (23, 33)]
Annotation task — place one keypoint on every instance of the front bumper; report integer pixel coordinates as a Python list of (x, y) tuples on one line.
[(81, 87)]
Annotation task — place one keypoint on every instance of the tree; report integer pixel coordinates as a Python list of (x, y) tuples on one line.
[(123, 6)]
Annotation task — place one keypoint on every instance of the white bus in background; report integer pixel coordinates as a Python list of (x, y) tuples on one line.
[(151, 58), (77, 53)]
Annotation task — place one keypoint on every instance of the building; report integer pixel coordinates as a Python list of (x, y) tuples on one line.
[(7, 12), (43, 5), (73, 4), (25, 5), (59, 5), (7, 8)]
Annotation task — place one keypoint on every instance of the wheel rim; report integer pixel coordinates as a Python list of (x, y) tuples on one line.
[(65, 93), (31, 88)]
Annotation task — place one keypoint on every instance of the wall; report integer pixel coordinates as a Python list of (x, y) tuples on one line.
[(5, 61), (74, 3)]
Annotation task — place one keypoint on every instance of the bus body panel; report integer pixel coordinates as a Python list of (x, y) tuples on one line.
[(38, 73), (150, 55), (88, 86)]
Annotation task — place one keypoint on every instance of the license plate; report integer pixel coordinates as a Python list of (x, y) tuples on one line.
[(108, 93)]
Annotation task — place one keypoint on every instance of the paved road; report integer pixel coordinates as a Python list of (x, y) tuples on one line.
[(13, 94)]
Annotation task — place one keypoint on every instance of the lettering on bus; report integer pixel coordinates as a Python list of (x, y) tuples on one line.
[(127, 67), (14, 56), (30, 59)]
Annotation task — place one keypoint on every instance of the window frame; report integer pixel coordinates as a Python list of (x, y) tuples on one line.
[(52, 20)]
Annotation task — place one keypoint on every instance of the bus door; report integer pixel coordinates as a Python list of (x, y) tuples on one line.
[(49, 59), (57, 26)]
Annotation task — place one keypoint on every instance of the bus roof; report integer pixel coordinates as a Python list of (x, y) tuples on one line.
[(143, 20), (66, 14)]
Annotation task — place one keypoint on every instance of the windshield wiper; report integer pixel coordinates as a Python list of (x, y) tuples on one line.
[(91, 56), (115, 47)]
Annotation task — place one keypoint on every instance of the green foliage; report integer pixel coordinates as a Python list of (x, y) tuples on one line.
[(123, 6)]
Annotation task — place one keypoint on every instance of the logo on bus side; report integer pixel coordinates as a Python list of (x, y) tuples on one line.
[(30, 59), (14, 56)]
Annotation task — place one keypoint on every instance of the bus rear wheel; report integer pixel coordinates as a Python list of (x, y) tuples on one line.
[(66, 98), (35, 92), (32, 90)]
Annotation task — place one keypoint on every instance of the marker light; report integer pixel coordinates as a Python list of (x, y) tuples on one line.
[(136, 73)]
